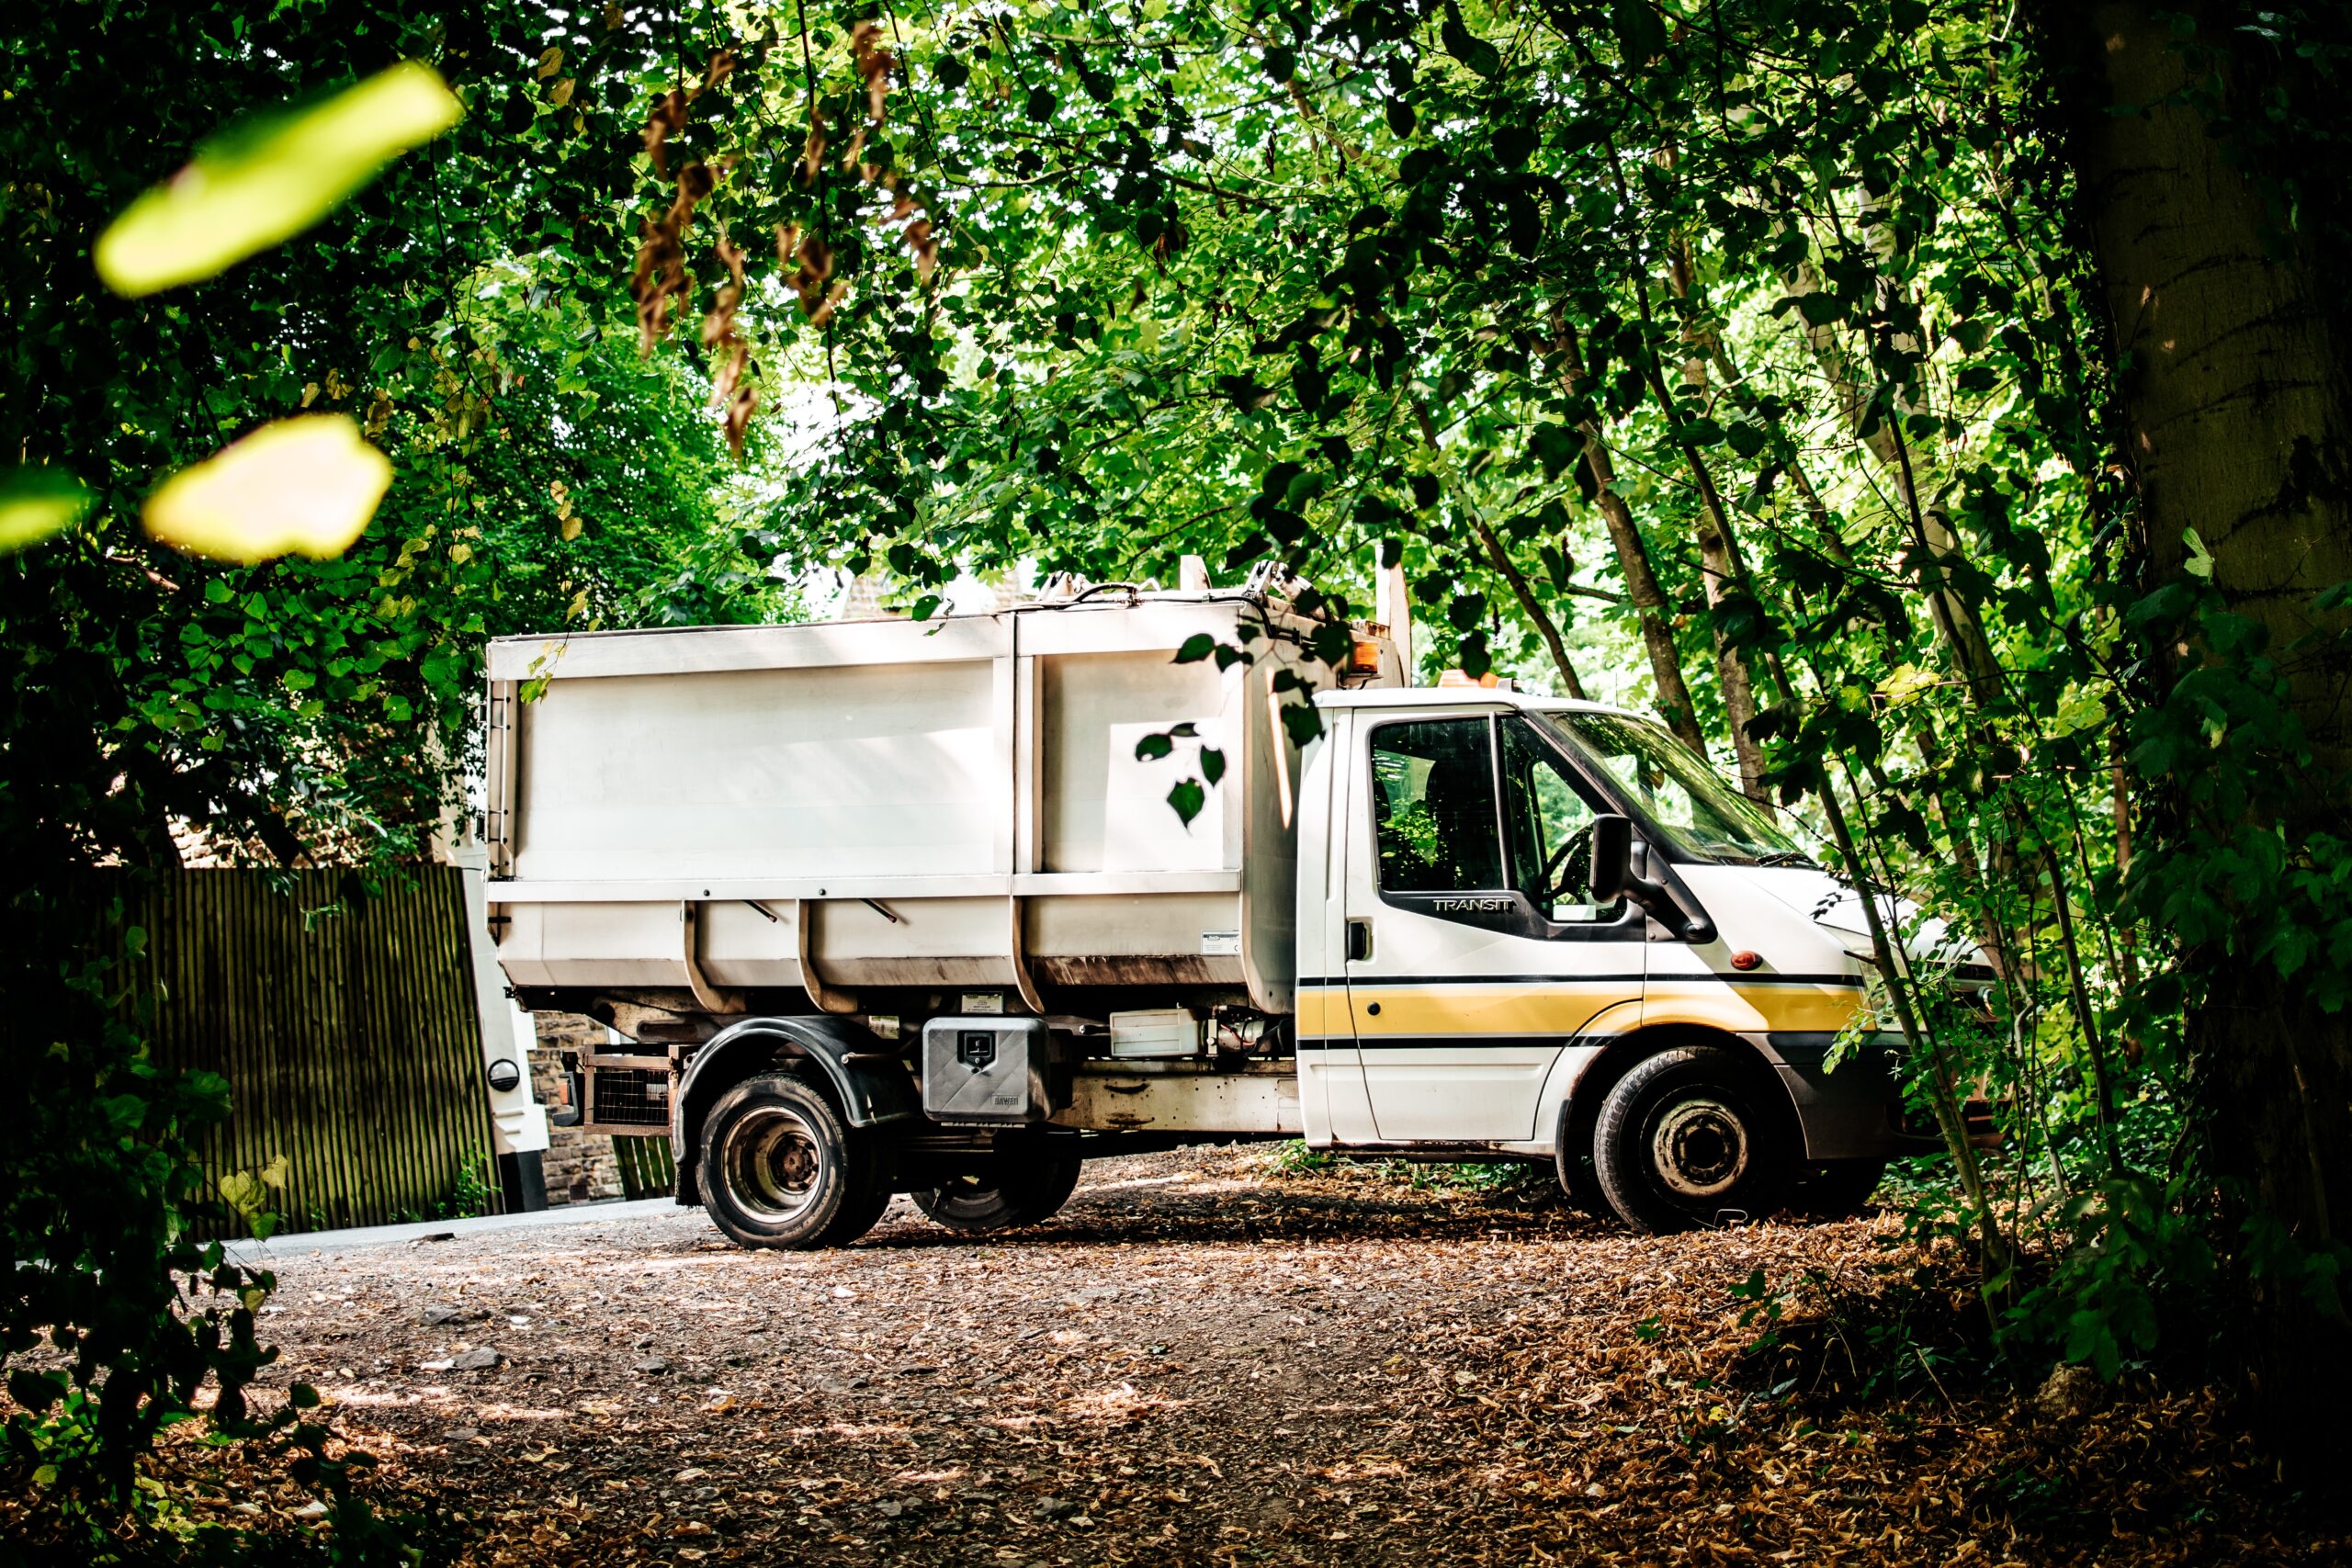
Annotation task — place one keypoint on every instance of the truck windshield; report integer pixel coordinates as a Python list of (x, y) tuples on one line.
[(1700, 816)]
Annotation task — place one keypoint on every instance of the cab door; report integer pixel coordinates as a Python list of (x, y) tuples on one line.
[(1475, 954)]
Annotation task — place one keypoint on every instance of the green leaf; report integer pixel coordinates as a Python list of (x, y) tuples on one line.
[(1151, 748), (1188, 797), (36, 1391), (269, 178), (1248, 550), (2200, 560), (36, 502), (1466, 46), (1282, 63), (304, 486), (1641, 36), (1554, 446), (1212, 764), (1197, 646)]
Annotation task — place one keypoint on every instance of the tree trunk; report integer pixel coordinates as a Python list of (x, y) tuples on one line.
[(1938, 547), (1537, 617), (1633, 564), (2238, 423)]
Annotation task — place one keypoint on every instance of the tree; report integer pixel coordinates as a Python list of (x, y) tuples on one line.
[(2191, 131)]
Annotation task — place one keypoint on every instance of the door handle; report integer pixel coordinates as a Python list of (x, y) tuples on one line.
[(1359, 940)]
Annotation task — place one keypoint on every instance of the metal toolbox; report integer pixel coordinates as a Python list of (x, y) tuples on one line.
[(988, 1070)]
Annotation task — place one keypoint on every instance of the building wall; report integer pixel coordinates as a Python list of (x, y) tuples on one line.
[(580, 1167)]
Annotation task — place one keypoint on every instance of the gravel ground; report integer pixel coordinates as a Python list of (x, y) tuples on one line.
[(1205, 1360)]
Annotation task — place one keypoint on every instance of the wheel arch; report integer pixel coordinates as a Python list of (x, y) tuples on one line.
[(867, 1084), (1580, 1111)]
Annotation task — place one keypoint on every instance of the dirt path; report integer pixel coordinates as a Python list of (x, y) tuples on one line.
[(1201, 1361)]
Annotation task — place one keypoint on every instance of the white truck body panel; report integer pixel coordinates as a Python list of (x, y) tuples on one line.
[(956, 804)]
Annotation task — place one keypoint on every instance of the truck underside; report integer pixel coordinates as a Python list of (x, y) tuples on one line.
[(826, 1100)]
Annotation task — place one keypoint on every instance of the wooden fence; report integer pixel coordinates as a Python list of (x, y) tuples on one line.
[(347, 1030)]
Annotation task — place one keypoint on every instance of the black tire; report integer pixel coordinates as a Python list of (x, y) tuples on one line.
[(1013, 1190), (1694, 1135), (780, 1169), (1837, 1190), (856, 1222)]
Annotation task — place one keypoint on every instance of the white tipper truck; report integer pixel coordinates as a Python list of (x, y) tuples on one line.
[(888, 906)]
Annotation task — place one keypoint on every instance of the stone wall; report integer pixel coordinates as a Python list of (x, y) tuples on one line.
[(580, 1167)]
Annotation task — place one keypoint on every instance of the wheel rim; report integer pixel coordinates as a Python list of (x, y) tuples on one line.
[(775, 1164), (1700, 1148)]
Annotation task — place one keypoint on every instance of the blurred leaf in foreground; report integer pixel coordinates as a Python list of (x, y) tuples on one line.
[(269, 177), (36, 502), (303, 486)]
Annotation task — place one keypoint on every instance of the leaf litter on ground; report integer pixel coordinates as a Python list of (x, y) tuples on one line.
[(1216, 1356)]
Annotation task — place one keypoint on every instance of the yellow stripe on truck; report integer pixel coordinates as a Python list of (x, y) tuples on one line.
[(1468, 1007), (1323, 1011), (1734, 1007), (1550, 1007)]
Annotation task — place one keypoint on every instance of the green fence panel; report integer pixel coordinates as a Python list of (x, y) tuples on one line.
[(346, 1027)]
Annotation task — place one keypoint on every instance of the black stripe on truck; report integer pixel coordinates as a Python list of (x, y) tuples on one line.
[(1430, 1041)]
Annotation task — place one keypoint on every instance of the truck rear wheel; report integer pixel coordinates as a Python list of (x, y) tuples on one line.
[(1011, 1191), (780, 1169), (1691, 1137)]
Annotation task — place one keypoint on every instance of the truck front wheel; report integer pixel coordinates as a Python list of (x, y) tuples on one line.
[(1009, 1191), (780, 1169), (1691, 1136)]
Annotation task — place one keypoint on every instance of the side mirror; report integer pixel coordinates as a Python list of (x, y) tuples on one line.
[(1613, 857), (1613, 878)]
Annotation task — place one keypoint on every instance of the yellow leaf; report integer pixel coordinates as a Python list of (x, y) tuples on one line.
[(306, 486), (560, 93), (269, 178), (550, 63), (36, 502), (1907, 682), (570, 527)]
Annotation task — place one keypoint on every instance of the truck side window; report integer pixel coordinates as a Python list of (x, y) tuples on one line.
[(1433, 803), (1547, 828)]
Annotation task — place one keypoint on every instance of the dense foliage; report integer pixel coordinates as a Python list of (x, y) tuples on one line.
[(1738, 368), (546, 476)]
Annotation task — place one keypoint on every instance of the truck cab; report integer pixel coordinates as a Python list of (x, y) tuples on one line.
[(1543, 928)]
